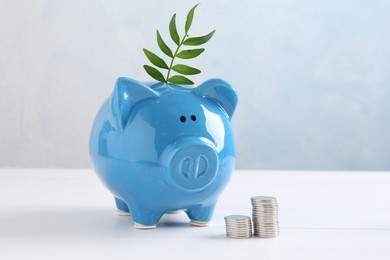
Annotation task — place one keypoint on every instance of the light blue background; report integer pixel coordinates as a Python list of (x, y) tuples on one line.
[(313, 76)]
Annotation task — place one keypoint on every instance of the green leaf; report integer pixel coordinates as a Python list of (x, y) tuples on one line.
[(186, 70), (154, 73), (155, 60), (173, 30), (190, 17), (163, 47), (177, 79), (199, 40), (189, 54)]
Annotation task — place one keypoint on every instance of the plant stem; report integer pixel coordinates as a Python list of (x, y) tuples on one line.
[(174, 56)]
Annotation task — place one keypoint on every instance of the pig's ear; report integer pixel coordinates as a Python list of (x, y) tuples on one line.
[(127, 93), (221, 92)]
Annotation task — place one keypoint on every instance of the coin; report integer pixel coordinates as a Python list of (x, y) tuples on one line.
[(265, 216), (238, 226)]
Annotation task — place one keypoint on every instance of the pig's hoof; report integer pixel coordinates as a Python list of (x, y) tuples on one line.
[(199, 223), (175, 212), (140, 226), (123, 213)]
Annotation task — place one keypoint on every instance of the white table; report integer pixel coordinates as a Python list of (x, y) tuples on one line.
[(68, 214)]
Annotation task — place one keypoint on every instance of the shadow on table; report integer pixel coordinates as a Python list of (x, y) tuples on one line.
[(76, 223), (216, 237)]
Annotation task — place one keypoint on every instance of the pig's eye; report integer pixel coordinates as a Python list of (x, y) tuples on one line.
[(183, 119), (193, 118)]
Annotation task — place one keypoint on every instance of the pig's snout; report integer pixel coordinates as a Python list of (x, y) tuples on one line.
[(191, 163)]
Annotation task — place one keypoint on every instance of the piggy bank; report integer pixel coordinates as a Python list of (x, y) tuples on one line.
[(163, 147)]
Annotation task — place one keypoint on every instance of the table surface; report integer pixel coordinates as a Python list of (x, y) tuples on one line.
[(69, 214)]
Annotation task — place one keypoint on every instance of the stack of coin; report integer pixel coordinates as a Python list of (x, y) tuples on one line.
[(238, 226), (265, 216)]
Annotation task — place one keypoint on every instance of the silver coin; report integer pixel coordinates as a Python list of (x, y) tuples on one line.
[(263, 198), (262, 220), (264, 215), (265, 221), (248, 232), (239, 237), (273, 231), (267, 225), (265, 210), (237, 217), (239, 234), (240, 220), (274, 227), (266, 232), (264, 203), (237, 222), (265, 206), (239, 227), (239, 231), (234, 236), (268, 236), (255, 219), (234, 229)]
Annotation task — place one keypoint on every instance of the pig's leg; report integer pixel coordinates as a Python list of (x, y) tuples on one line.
[(200, 215), (145, 218), (122, 208)]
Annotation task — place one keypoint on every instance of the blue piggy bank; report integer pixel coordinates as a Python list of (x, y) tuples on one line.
[(163, 147)]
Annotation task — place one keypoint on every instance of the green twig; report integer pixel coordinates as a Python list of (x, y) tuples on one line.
[(174, 56)]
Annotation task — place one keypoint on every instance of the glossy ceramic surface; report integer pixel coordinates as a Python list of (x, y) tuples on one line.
[(163, 147)]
